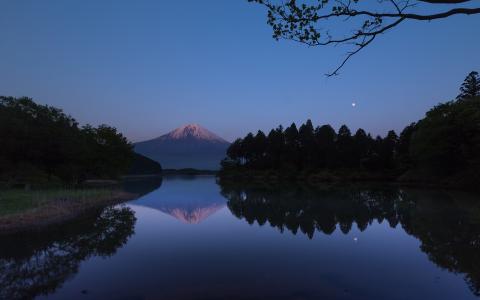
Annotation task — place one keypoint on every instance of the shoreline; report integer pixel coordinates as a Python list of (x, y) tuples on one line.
[(344, 177), (56, 211)]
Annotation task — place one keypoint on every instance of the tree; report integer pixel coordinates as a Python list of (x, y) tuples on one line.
[(234, 151), (325, 137), (307, 143), (275, 147), (470, 87), (448, 139), (292, 145), (313, 22), (362, 144), (247, 147), (374, 160), (346, 157), (403, 145), (259, 149), (389, 146), (41, 143), (38, 141), (113, 152)]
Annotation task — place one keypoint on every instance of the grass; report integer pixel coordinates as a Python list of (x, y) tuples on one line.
[(18, 201), (22, 209)]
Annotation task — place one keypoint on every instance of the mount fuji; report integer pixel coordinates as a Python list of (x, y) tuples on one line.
[(189, 146)]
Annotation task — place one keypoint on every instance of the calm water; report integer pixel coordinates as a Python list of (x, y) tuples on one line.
[(189, 238)]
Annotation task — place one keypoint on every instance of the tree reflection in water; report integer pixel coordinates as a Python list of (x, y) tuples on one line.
[(447, 224), (37, 263)]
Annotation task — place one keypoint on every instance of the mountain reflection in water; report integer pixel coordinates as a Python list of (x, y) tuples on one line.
[(448, 228), (191, 202), (302, 243)]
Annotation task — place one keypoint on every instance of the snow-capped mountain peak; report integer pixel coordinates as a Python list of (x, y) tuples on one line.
[(193, 131)]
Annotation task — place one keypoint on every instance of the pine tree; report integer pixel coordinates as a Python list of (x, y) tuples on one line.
[(325, 137), (247, 147), (387, 153), (470, 87), (306, 138), (275, 147), (362, 144), (292, 145), (345, 151), (259, 148)]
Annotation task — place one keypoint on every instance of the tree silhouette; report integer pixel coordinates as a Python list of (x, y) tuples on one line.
[(389, 146), (292, 146), (306, 138), (447, 139), (403, 146), (315, 22), (259, 148), (325, 137), (275, 147), (307, 149), (345, 147), (444, 146), (470, 87), (41, 143)]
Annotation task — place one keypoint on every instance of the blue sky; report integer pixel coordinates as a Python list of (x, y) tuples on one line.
[(147, 67)]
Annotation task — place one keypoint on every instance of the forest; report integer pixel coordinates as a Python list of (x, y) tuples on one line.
[(444, 144), (41, 144)]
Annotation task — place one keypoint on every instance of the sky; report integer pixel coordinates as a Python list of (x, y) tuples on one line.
[(147, 67)]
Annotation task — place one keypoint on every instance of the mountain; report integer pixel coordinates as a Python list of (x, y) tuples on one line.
[(189, 146)]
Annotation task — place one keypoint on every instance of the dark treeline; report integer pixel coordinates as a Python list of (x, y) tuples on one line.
[(40, 143), (445, 142), (445, 223), (306, 148)]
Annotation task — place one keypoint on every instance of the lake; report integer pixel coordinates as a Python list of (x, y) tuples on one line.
[(190, 238)]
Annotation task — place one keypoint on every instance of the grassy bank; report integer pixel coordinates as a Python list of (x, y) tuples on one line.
[(26, 210)]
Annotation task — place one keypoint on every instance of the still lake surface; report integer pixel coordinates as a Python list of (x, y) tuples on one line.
[(190, 238)]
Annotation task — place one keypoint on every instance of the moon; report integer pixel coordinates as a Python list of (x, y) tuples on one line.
[(354, 104)]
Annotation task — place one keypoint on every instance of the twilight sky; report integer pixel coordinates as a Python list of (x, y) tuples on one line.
[(147, 67)]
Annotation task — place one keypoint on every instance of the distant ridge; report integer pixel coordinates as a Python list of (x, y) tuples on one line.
[(189, 146), (143, 165)]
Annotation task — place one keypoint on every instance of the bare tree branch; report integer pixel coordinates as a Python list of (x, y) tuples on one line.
[(298, 22)]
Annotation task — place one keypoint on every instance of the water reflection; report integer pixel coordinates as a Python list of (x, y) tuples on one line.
[(142, 185), (37, 263), (304, 248), (190, 213), (188, 199), (447, 224)]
